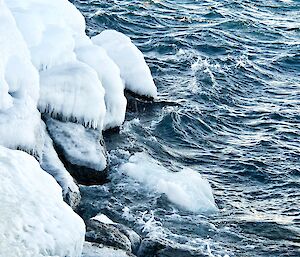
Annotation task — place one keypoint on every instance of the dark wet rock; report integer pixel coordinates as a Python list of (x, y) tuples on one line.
[(119, 234), (137, 103), (106, 234), (134, 238), (82, 150), (140, 104), (160, 247)]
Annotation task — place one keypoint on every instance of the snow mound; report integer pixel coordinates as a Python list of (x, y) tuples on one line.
[(35, 219), (134, 70), (19, 88), (186, 188)]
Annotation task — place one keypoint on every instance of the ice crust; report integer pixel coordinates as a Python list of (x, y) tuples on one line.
[(34, 219), (186, 188), (134, 70)]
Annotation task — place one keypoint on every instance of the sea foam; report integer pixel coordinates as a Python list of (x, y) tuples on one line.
[(186, 188)]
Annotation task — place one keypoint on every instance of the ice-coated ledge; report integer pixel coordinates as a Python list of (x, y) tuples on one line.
[(49, 65)]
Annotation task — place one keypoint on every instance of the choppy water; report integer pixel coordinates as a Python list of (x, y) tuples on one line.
[(228, 77)]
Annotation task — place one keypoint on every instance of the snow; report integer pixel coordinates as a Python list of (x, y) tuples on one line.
[(51, 163), (80, 146), (19, 118), (103, 218), (187, 189), (68, 87), (80, 79), (34, 219), (134, 70)]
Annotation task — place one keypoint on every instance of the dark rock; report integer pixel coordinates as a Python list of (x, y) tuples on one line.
[(137, 103), (161, 247), (100, 223), (134, 238), (82, 150), (106, 234)]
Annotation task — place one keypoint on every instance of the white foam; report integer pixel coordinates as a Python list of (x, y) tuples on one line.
[(187, 189)]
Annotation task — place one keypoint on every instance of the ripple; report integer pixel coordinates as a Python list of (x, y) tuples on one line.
[(228, 78)]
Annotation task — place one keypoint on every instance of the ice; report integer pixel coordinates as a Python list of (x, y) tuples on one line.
[(73, 91), (68, 87), (35, 221), (109, 74), (51, 163), (187, 189), (134, 70), (82, 150), (19, 87)]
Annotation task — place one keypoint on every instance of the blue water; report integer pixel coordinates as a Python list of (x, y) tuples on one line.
[(228, 77)]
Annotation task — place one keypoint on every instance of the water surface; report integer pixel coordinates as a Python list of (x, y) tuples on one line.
[(228, 77)]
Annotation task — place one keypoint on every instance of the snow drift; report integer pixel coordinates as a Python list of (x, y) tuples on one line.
[(19, 88), (34, 219)]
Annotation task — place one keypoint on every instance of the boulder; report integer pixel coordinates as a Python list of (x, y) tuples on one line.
[(102, 230), (161, 247), (106, 234), (81, 149)]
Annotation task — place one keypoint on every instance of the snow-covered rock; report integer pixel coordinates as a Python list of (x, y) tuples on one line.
[(68, 87), (35, 221), (98, 250), (134, 70), (19, 89), (187, 189), (51, 163), (109, 74), (74, 92), (82, 150)]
